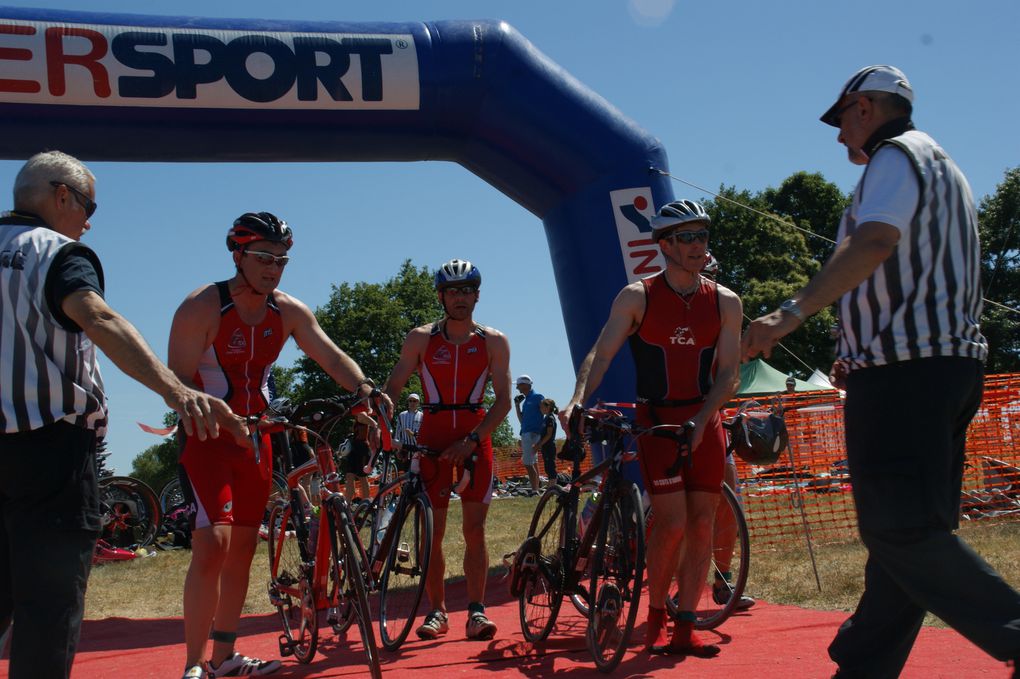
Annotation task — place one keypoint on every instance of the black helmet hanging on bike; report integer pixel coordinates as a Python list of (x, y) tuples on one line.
[(675, 214), (758, 439), (457, 272), (254, 226)]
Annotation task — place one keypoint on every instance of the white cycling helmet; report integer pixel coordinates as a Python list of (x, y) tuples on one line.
[(457, 272), (675, 214)]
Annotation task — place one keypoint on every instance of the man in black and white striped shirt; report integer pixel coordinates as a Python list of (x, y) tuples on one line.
[(907, 278), (53, 406)]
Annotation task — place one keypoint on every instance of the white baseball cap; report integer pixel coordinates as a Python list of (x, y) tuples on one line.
[(871, 79), (523, 379), (413, 397)]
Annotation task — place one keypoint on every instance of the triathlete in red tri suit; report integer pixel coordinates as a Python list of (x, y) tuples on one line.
[(455, 358), (684, 334), (224, 339)]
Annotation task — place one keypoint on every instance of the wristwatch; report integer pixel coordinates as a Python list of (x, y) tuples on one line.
[(475, 437), (791, 307)]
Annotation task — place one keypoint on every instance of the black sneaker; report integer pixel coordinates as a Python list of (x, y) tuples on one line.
[(721, 592)]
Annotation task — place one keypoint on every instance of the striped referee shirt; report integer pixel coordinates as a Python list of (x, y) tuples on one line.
[(409, 420), (925, 299), (48, 371)]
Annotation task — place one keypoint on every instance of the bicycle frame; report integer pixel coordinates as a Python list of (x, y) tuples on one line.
[(575, 549), (324, 465)]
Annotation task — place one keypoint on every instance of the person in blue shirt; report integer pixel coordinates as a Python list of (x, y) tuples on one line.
[(527, 404)]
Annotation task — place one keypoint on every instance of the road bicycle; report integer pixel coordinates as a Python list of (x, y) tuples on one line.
[(731, 554), (396, 526), (601, 565), (317, 563)]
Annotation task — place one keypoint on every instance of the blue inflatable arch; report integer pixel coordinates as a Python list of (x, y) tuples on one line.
[(138, 88)]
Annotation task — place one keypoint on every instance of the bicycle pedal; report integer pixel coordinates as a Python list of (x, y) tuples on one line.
[(403, 553), (286, 646)]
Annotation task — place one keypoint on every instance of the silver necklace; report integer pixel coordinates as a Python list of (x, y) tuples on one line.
[(688, 291)]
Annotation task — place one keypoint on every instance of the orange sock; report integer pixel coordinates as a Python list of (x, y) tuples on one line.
[(655, 635)]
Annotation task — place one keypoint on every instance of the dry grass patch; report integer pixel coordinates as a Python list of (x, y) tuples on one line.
[(153, 587)]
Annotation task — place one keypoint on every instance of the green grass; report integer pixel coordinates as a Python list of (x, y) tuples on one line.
[(153, 587)]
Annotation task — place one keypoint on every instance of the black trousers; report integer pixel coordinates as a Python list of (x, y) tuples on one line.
[(549, 462), (49, 523), (906, 425)]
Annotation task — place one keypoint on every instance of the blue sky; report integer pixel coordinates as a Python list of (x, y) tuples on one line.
[(732, 89)]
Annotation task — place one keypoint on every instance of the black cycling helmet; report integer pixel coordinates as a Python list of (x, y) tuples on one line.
[(676, 213), (457, 272), (253, 226), (759, 439)]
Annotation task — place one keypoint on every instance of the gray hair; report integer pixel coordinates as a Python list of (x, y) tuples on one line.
[(891, 105), (32, 184)]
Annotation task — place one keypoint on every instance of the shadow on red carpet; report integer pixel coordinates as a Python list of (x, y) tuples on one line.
[(770, 641)]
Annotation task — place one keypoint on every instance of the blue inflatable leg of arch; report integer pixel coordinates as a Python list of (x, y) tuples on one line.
[(128, 87)]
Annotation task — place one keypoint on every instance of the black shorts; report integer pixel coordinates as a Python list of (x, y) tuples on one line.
[(358, 458)]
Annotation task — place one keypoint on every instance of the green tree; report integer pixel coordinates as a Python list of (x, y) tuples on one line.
[(369, 321), (814, 205), (765, 261), (157, 464), (504, 435), (999, 226)]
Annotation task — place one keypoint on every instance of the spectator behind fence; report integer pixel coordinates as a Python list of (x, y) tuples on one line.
[(547, 443), (53, 404), (906, 273), (527, 403), (409, 421)]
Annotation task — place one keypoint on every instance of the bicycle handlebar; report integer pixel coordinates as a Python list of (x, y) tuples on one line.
[(606, 421)]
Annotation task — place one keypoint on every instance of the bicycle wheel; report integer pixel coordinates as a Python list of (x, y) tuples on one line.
[(348, 554), (171, 496), (289, 588), (342, 615), (403, 577), (542, 593), (616, 578), (131, 513), (731, 559), (277, 491)]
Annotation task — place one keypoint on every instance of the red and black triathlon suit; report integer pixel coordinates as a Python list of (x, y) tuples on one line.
[(674, 352), (453, 378), (219, 476)]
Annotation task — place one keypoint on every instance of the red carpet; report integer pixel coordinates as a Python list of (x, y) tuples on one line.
[(770, 641)]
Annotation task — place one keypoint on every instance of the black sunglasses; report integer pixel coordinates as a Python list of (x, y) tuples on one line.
[(838, 117), (461, 289), (688, 237), (80, 197)]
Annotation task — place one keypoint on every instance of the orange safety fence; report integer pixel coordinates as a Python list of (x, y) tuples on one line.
[(507, 465), (813, 472)]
